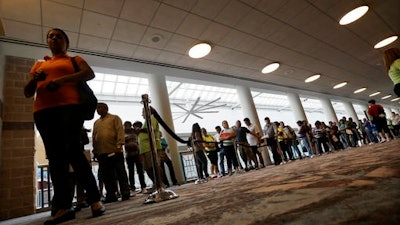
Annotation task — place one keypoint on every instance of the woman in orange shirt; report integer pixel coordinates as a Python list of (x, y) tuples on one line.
[(58, 118)]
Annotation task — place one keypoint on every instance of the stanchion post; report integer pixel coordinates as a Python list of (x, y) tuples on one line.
[(159, 194)]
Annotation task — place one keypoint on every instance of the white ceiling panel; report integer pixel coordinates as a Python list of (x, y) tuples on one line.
[(97, 24), (107, 7), (56, 14), (27, 11), (129, 32), (121, 48), (91, 43)]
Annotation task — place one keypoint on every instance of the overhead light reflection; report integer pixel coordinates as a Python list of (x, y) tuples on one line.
[(312, 78), (386, 41), (374, 94), (270, 68), (387, 96), (353, 15), (360, 90), (199, 50), (340, 85)]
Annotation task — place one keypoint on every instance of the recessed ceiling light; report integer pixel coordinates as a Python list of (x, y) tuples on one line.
[(387, 96), (270, 68), (340, 85), (395, 99), (200, 50), (386, 41), (312, 78), (353, 15), (376, 93), (360, 90)]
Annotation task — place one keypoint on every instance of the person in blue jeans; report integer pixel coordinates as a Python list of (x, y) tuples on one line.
[(221, 152), (302, 133)]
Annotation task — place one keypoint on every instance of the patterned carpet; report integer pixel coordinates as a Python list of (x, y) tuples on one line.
[(356, 186)]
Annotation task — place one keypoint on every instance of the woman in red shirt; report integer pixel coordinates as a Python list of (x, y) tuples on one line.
[(378, 117)]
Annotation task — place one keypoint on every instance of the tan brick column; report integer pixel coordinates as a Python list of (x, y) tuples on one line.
[(17, 153)]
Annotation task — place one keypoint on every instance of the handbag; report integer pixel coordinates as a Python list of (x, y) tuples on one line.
[(87, 99)]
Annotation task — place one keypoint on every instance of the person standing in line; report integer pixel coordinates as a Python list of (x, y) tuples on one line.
[(199, 148), (254, 141), (392, 67), (211, 152), (378, 117), (132, 156), (227, 136), (56, 105), (221, 152), (270, 133), (243, 146), (164, 159), (108, 139), (302, 133)]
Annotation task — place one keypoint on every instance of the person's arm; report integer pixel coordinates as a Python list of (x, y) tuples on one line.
[(85, 73), (36, 76), (119, 129)]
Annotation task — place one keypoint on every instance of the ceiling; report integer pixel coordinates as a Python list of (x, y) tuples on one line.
[(302, 35)]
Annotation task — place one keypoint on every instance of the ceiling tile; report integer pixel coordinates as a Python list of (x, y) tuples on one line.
[(168, 57), (146, 53), (107, 7), (193, 26), (179, 44), (140, 11), (252, 21), (121, 49), (233, 13), (61, 16), (97, 25), (215, 33), (203, 8), (128, 32), (23, 11), (21, 30), (93, 43), (152, 32), (75, 3), (186, 5), (168, 18)]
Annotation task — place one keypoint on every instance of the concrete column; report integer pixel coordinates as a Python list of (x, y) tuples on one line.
[(348, 106), (160, 101), (297, 107), (330, 113), (249, 110)]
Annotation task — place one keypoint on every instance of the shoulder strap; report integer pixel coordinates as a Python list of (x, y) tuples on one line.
[(74, 64)]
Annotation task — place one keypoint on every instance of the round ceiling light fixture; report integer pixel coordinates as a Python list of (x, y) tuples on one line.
[(200, 50), (270, 68), (340, 85), (360, 90), (386, 41), (353, 15), (312, 78)]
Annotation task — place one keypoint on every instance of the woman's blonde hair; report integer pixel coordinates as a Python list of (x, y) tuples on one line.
[(390, 55)]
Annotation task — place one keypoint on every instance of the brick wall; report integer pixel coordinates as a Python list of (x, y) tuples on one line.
[(17, 158)]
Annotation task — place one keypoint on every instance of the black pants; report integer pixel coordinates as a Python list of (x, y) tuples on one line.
[(274, 149), (60, 129), (132, 161), (164, 159), (112, 169)]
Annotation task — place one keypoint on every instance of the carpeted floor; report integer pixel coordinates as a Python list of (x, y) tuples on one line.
[(356, 186)]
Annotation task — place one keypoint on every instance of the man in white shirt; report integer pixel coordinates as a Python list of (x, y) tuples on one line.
[(254, 140)]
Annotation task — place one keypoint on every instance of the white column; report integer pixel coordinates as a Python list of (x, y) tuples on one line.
[(330, 113), (160, 101), (297, 107), (249, 110), (348, 106)]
